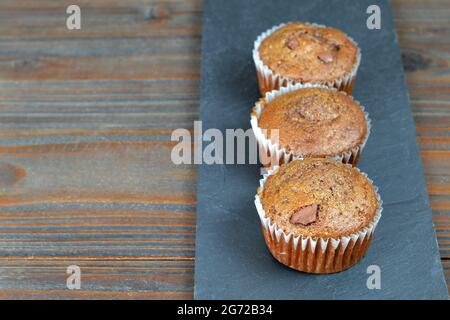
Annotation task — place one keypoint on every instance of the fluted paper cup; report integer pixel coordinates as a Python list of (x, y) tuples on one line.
[(315, 255)]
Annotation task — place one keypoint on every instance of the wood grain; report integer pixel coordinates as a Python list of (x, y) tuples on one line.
[(85, 124), (424, 37)]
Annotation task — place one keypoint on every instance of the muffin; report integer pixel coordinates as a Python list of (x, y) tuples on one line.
[(302, 121), (318, 215), (305, 53)]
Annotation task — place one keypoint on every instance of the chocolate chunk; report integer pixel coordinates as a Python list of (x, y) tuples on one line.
[(305, 215), (292, 42), (336, 47), (325, 57)]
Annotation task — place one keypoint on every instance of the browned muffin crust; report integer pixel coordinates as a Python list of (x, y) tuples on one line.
[(306, 53), (345, 199), (315, 122)]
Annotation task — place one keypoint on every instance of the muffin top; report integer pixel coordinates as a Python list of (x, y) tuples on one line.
[(319, 198), (307, 53), (315, 122)]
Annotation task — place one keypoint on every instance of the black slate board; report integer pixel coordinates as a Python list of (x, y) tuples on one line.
[(232, 261)]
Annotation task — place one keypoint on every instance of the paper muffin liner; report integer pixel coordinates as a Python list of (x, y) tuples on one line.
[(278, 155), (316, 255), (269, 80)]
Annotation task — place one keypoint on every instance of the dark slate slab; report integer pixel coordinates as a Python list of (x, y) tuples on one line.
[(232, 261)]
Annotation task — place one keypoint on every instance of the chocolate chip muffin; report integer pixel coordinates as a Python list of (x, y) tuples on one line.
[(312, 121), (306, 53), (318, 215)]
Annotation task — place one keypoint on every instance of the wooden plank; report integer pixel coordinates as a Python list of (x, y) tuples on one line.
[(85, 124), (85, 172), (32, 20), (424, 37), (101, 279)]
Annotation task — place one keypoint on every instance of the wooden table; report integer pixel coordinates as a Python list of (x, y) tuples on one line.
[(85, 123)]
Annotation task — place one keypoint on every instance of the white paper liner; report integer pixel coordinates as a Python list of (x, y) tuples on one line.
[(338, 247), (269, 80), (279, 156)]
